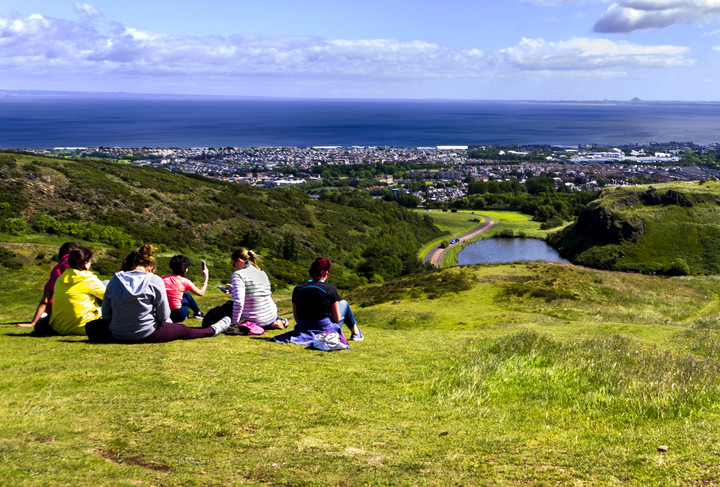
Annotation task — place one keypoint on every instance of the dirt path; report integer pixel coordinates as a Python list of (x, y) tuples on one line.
[(435, 255)]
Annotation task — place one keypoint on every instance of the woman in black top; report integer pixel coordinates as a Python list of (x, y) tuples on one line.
[(317, 308)]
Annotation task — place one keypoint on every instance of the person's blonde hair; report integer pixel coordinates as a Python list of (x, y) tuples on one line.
[(144, 256), (246, 256)]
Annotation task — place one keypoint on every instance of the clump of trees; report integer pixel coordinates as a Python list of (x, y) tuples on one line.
[(709, 159), (540, 197)]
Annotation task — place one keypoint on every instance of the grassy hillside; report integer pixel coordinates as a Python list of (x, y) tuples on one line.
[(123, 206), (518, 374), (513, 374), (669, 228)]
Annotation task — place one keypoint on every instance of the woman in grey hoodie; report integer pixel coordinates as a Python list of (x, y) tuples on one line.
[(137, 309)]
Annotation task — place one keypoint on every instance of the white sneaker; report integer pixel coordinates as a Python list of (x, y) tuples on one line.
[(221, 326)]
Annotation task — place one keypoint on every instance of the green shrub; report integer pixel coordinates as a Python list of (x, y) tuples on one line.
[(7, 259), (6, 160), (83, 230), (13, 226), (124, 206), (43, 223), (679, 267), (12, 198), (553, 222), (548, 289)]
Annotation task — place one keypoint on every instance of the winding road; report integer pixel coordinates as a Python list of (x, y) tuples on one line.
[(435, 254)]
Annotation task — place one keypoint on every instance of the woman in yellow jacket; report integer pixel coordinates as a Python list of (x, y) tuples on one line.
[(77, 296)]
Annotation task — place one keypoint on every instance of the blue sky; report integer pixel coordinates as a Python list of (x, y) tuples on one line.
[(462, 49)]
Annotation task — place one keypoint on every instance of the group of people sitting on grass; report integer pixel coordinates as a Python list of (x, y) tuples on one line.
[(138, 306)]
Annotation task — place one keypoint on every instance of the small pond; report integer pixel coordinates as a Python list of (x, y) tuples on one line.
[(508, 250)]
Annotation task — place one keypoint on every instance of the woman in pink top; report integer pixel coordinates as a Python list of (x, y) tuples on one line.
[(177, 287)]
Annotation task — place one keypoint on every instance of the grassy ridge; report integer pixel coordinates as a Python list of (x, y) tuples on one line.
[(669, 228), (510, 374)]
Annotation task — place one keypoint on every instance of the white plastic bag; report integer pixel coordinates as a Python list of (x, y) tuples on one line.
[(329, 341)]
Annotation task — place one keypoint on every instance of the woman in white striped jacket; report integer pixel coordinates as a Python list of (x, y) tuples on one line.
[(251, 291)]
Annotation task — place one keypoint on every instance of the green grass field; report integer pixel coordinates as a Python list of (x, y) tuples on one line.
[(454, 223), (516, 374)]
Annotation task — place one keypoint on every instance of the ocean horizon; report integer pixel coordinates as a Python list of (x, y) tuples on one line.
[(47, 120)]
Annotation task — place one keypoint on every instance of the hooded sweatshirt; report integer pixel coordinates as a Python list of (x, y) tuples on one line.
[(135, 302), (54, 274), (76, 296)]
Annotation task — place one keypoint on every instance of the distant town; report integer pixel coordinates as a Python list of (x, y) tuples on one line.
[(432, 174)]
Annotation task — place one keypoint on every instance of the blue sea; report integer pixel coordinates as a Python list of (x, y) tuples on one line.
[(128, 121)]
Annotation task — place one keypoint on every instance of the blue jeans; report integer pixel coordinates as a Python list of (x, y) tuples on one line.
[(346, 315), (188, 303)]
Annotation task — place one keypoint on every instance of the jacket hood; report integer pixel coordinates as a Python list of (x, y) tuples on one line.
[(73, 276), (63, 263), (135, 282)]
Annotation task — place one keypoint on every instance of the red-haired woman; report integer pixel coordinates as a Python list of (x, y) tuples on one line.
[(317, 308)]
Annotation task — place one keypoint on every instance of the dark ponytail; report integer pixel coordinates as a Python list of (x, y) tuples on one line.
[(66, 248), (79, 257)]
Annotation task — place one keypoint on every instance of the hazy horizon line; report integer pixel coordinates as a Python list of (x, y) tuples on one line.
[(123, 94)]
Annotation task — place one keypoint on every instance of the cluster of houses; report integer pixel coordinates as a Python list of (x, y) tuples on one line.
[(587, 167)]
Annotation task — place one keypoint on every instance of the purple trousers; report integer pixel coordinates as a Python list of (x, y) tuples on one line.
[(99, 331), (168, 332)]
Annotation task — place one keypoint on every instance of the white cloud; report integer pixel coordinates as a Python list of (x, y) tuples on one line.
[(87, 11), (37, 48), (633, 15), (43, 42), (583, 54)]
